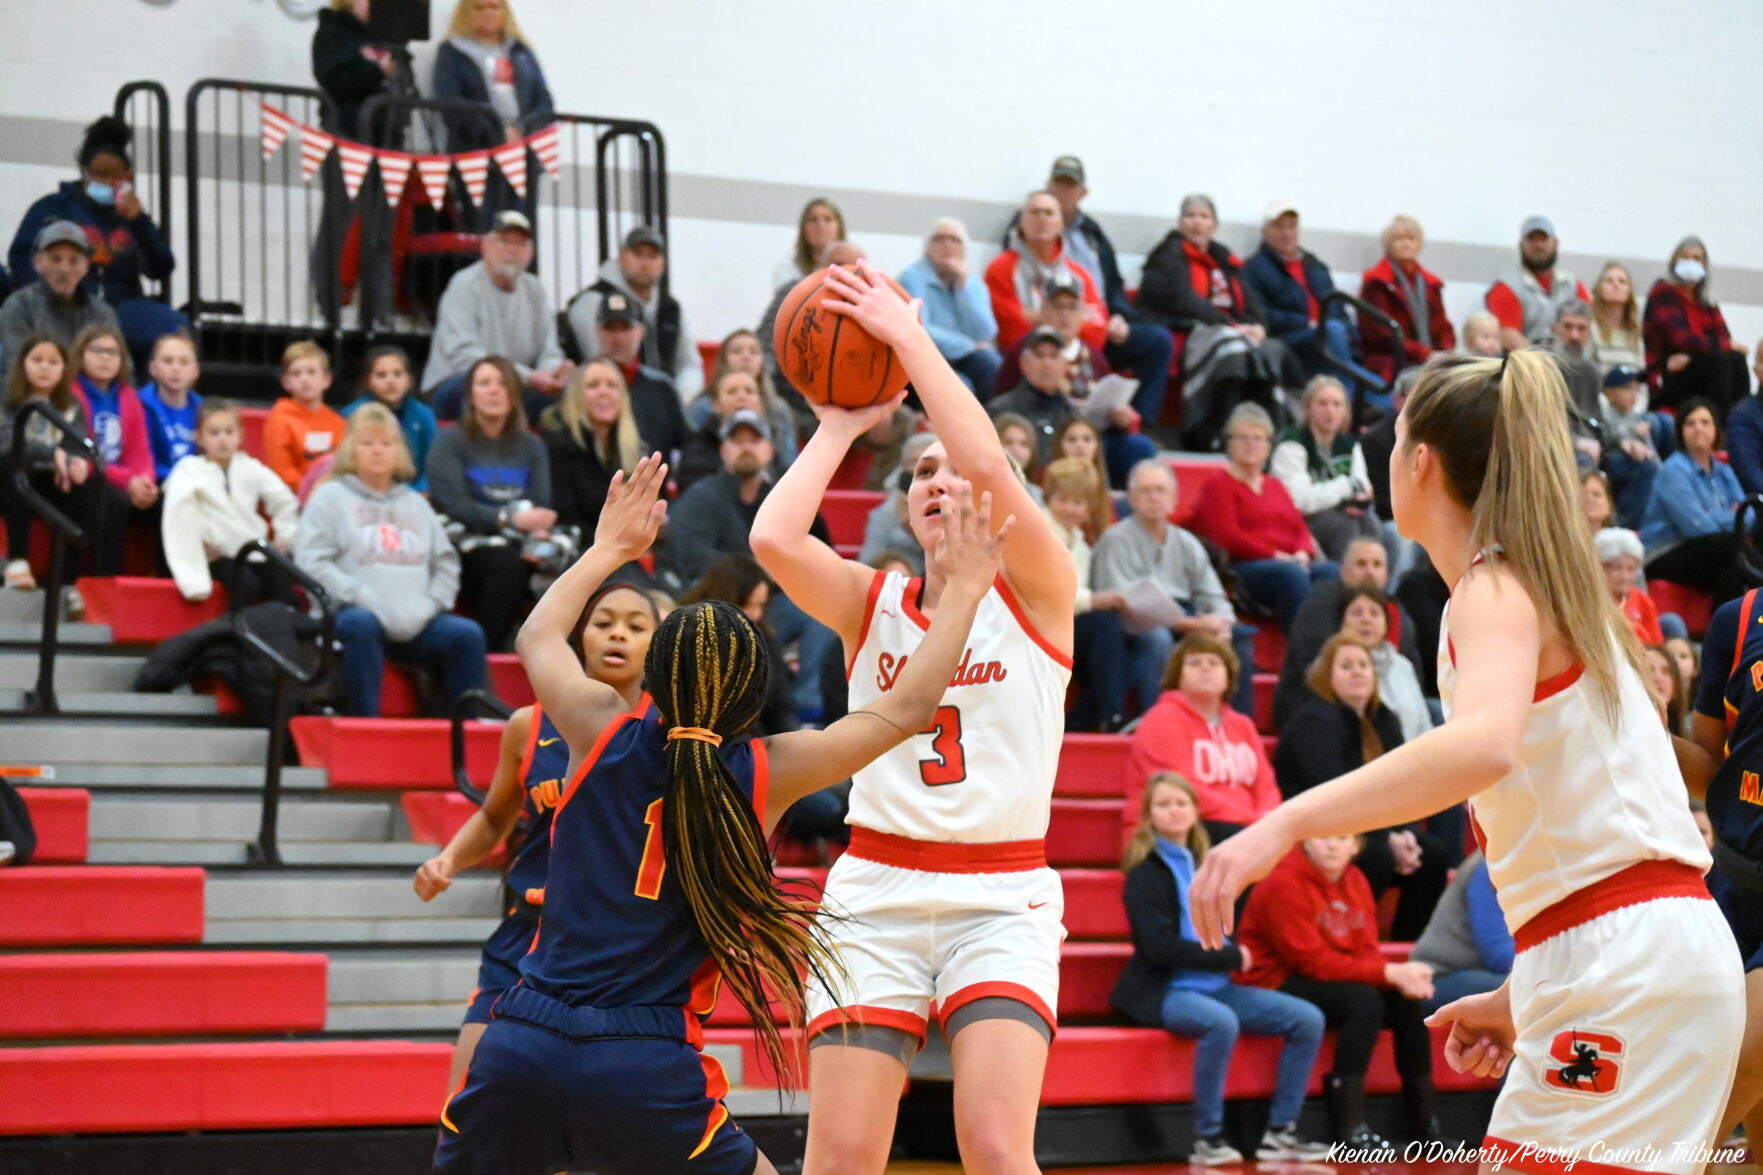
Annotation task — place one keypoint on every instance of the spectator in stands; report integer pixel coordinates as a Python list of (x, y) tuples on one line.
[(1414, 296), (1596, 501), (1080, 510), (1466, 945), (1482, 336), (820, 225), (1377, 443), (1039, 401), (486, 59), (1365, 616), (1366, 564), (840, 252), (40, 370), (119, 427), (1311, 928), (349, 65), (1172, 982), (957, 311), (381, 552), (1250, 516), (715, 518), (1688, 525), (740, 350), (1744, 435), (654, 402), (492, 477), (57, 307), (1666, 687), (739, 580), (1346, 725), (668, 344), (125, 244), (1193, 285), (1690, 353), (495, 307), (887, 530), (1621, 553), (1147, 548), (216, 501), (589, 434), (1078, 438), (1192, 731), (301, 429), (1291, 283), (1525, 299), (1570, 341), (701, 456), (1018, 277), (1631, 439), (1423, 593), (387, 380), (1323, 469), (170, 400), (1056, 377), (1616, 319)]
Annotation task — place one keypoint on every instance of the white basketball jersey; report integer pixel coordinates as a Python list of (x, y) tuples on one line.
[(1589, 797), (983, 770)]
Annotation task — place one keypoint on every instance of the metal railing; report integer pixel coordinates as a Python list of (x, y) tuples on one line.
[(266, 851), (41, 702), (1397, 351), (146, 107), (1747, 521), (471, 702)]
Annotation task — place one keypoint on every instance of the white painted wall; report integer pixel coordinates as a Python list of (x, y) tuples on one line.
[(1631, 122)]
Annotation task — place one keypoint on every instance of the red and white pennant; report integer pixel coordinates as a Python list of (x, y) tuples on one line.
[(474, 169), (314, 146), (547, 145), (394, 174), (512, 160), (433, 171), (356, 160), (276, 126)]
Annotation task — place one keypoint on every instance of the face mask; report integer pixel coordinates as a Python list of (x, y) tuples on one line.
[(1689, 270), (104, 194)]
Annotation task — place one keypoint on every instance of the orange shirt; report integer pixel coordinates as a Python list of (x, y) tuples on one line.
[(295, 436)]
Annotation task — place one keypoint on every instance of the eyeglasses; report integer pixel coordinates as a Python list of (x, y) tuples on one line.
[(103, 349)]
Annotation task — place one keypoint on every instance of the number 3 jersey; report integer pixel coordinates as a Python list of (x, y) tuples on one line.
[(983, 770)]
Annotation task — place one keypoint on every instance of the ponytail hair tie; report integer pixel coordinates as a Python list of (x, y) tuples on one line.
[(696, 733)]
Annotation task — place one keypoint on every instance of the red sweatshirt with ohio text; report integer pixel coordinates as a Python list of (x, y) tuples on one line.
[(1298, 922), (1226, 762)]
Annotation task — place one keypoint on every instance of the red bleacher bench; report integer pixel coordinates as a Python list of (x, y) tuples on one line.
[(1092, 766), (60, 817), (847, 514), (393, 752), (400, 697), (1093, 909), (276, 1085), (1693, 604), (251, 422), (69, 905), (1084, 832), (145, 611), (160, 993)]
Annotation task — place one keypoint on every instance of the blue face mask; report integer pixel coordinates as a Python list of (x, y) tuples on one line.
[(104, 194)]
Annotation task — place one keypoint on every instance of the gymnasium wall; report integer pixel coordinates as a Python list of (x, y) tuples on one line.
[(1630, 122)]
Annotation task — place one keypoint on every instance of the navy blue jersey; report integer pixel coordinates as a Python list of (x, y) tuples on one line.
[(616, 931), (1731, 690)]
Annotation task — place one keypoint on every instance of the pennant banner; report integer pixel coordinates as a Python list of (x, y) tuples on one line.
[(355, 159), (547, 145), (276, 126), (394, 174), (512, 160), (474, 169), (314, 146), (433, 171)]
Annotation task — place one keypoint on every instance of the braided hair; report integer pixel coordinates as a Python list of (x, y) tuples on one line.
[(708, 668)]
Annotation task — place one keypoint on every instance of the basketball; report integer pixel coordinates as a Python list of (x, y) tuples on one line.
[(828, 357)]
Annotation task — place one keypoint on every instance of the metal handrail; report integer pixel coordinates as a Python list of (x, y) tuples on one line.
[(1745, 528), (470, 702), (266, 851), (62, 530), (1397, 352), (159, 128)]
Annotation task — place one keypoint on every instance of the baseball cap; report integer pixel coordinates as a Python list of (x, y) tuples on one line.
[(616, 307), (644, 235), (1536, 224), (511, 219), (1042, 334), (1062, 281), (745, 418), (1622, 373), (1278, 209), (1067, 167), (63, 232)]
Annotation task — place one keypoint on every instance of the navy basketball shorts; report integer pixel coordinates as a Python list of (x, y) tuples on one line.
[(1742, 906), (499, 968), (553, 1087)]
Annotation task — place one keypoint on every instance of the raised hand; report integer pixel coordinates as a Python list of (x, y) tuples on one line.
[(854, 422), (634, 510), (864, 294), (969, 554)]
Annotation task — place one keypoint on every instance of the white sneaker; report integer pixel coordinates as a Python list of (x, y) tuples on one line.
[(1285, 1144), (73, 604), (8, 850), (1214, 1152), (19, 577)]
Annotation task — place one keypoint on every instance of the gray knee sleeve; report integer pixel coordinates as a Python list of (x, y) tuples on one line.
[(892, 1042), (996, 1007)]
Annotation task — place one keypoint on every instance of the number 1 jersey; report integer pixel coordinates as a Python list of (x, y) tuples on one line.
[(983, 770)]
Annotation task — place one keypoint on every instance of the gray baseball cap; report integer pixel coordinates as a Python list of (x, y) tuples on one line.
[(63, 232), (745, 418), (1536, 224)]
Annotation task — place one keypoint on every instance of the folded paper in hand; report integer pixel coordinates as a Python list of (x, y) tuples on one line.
[(1105, 395), (1146, 606)]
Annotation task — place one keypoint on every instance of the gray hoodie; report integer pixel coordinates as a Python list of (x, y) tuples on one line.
[(383, 552), (584, 308)]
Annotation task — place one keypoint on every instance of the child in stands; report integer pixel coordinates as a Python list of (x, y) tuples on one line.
[(41, 371), (1481, 335), (215, 501), (119, 426), (1174, 983), (387, 381), (170, 402), (300, 429), (1311, 929)]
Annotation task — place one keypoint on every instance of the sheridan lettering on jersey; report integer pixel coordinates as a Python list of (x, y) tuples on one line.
[(889, 668)]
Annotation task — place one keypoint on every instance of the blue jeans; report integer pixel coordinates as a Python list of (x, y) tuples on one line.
[(1213, 1019), (978, 369), (450, 644), (1457, 984), (1147, 655), (815, 642), (1099, 666), (1146, 353), (1281, 585), (1121, 450), (1632, 483)]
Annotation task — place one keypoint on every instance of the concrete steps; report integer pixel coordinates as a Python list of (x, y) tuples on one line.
[(193, 777), (347, 906), (64, 741), (403, 991), (114, 703), (82, 672), (30, 632)]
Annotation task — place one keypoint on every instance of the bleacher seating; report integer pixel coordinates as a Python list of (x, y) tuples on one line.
[(58, 816), (160, 993), (85, 905)]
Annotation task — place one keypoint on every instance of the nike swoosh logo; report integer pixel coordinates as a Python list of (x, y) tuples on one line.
[(545, 742), (1036, 905)]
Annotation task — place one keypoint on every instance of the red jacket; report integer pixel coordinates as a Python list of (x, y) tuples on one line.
[(1378, 286), (136, 459), (1298, 922), (1227, 765), (1673, 324), (1014, 322), (1643, 617), (1246, 524)]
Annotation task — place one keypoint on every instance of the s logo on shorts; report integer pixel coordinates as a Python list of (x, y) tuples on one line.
[(1586, 1062)]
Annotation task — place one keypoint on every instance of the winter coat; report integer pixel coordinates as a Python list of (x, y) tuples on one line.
[(123, 251), (211, 511)]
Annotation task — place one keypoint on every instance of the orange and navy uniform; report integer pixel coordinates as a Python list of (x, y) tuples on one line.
[(1731, 691)]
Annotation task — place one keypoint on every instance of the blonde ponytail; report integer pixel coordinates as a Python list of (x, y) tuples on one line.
[(1501, 432)]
